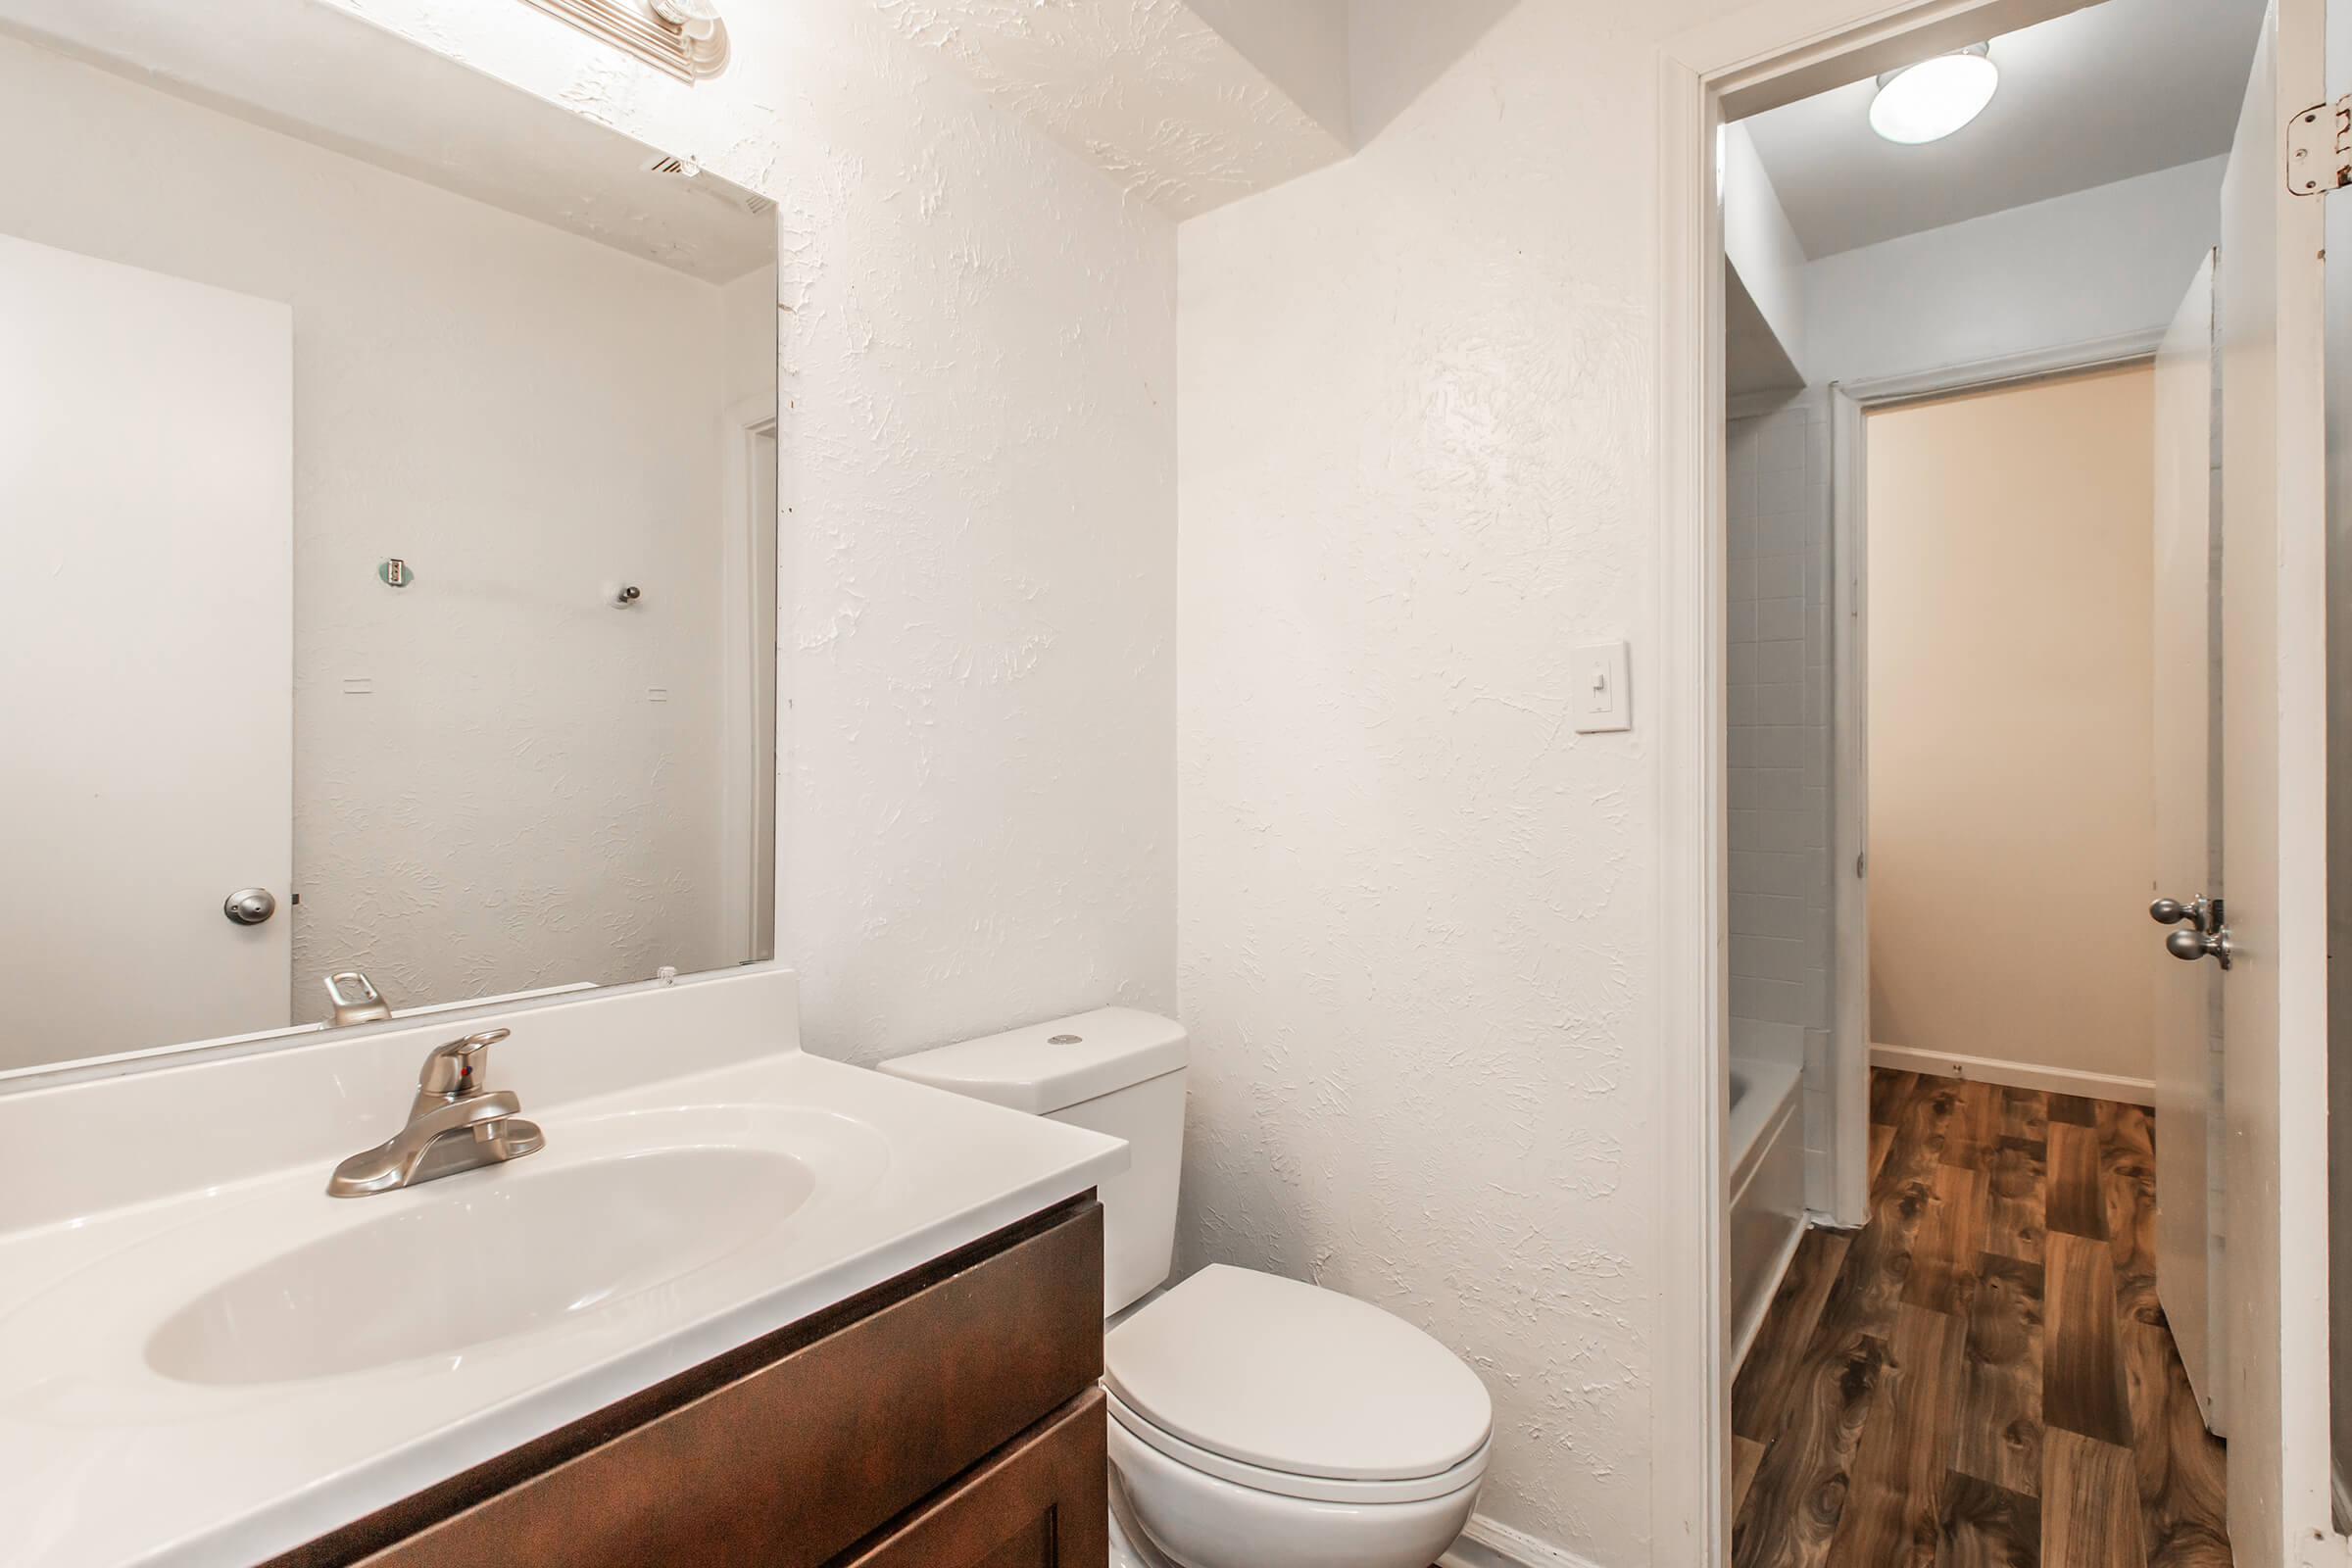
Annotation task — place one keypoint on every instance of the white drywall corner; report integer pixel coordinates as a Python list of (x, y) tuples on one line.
[(1761, 246), (1302, 45), (2103, 262)]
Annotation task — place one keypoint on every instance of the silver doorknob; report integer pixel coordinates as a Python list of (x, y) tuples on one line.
[(249, 906), (2172, 911), (2195, 944)]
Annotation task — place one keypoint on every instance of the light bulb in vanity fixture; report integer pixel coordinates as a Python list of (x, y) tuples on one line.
[(1935, 98), (684, 37), (697, 20)]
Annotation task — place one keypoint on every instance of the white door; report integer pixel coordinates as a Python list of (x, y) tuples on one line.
[(2272, 287), (146, 653), (2185, 1017), (2339, 793)]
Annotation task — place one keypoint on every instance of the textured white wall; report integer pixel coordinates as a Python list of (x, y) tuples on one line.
[(504, 807), (978, 454), (1416, 907), (2101, 263)]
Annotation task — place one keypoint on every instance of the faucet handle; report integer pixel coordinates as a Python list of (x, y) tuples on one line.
[(353, 999), (458, 1067)]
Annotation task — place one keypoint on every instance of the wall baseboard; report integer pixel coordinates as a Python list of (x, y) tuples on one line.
[(2016, 1074), (1488, 1544)]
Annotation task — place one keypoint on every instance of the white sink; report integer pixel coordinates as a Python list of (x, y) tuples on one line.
[(206, 1362), (632, 1218), (482, 1262)]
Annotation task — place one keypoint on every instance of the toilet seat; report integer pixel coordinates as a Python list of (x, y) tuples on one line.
[(1284, 1484), (1287, 1388)]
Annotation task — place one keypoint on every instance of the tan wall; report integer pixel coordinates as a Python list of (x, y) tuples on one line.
[(2011, 816)]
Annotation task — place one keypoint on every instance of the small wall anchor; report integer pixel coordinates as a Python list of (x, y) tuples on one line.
[(626, 594), (395, 572)]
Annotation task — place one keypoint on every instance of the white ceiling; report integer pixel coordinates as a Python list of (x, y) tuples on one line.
[(1164, 101), (1191, 104), (2092, 97), (316, 72)]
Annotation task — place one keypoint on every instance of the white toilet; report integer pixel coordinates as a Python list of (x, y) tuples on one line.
[(1255, 1422)]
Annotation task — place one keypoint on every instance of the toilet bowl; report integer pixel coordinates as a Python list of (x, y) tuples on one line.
[(1193, 1520), (1256, 1421)]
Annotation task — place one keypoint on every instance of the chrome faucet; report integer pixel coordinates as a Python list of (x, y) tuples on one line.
[(450, 1099)]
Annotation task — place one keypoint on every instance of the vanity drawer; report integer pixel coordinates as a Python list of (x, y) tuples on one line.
[(1039, 1504), (793, 1462)]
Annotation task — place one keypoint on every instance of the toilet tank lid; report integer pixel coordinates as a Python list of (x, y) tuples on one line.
[(1044, 1068)]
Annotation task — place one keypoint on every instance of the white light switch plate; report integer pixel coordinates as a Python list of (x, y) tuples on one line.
[(1599, 692)]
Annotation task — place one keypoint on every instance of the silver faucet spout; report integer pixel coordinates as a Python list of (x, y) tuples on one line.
[(451, 1099)]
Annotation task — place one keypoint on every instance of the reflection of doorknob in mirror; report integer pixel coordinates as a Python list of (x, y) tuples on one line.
[(2195, 944), (2171, 912), (249, 906)]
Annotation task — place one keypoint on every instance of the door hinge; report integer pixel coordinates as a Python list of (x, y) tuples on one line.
[(2318, 148)]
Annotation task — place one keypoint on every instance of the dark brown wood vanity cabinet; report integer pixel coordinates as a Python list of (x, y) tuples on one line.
[(947, 1419)]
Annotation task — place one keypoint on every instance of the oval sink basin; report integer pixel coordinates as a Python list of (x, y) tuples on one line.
[(466, 1263)]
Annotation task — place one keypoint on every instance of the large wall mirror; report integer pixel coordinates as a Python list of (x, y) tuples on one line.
[(387, 498)]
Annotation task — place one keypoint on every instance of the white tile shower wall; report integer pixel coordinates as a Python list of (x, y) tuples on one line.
[(1777, 511)]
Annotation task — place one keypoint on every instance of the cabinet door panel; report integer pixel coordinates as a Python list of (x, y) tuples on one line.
[(791, 1465), (1042, 1504)]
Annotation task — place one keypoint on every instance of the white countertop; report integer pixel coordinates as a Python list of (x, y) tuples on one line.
[(106, 1460)]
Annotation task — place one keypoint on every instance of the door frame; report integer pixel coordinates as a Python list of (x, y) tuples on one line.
[(1761, 56), (742, 803)]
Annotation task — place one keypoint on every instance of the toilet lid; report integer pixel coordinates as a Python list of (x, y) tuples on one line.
[(1288, 1377)]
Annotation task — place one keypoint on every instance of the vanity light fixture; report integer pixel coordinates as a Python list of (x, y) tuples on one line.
[(1931, 100), (684, 37)]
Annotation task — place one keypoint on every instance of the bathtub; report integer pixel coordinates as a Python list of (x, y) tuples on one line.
[(1766, 1190)]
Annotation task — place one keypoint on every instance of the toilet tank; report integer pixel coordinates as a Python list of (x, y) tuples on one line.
[(1115, 1070)]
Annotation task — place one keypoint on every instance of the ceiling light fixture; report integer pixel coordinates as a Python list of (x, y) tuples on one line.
[(1931, 100)]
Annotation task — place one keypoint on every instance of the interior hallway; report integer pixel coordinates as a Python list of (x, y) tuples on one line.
[(1980, 1374)]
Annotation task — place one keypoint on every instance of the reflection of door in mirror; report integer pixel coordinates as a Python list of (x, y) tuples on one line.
[(147, 513), (271, 332), (763, 523)]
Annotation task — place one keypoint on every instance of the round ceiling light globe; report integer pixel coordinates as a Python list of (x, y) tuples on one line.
[(1931, 100)]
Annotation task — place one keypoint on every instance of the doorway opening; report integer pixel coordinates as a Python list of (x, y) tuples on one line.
[(2021, 313)]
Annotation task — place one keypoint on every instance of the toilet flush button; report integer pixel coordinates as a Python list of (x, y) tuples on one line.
[(1599, 692), (1066, 1040)]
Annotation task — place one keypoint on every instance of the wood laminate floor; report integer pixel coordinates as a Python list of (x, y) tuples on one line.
[(1980, 1375)]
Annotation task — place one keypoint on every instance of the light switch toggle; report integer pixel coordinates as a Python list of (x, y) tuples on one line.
[(1604, 695)]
